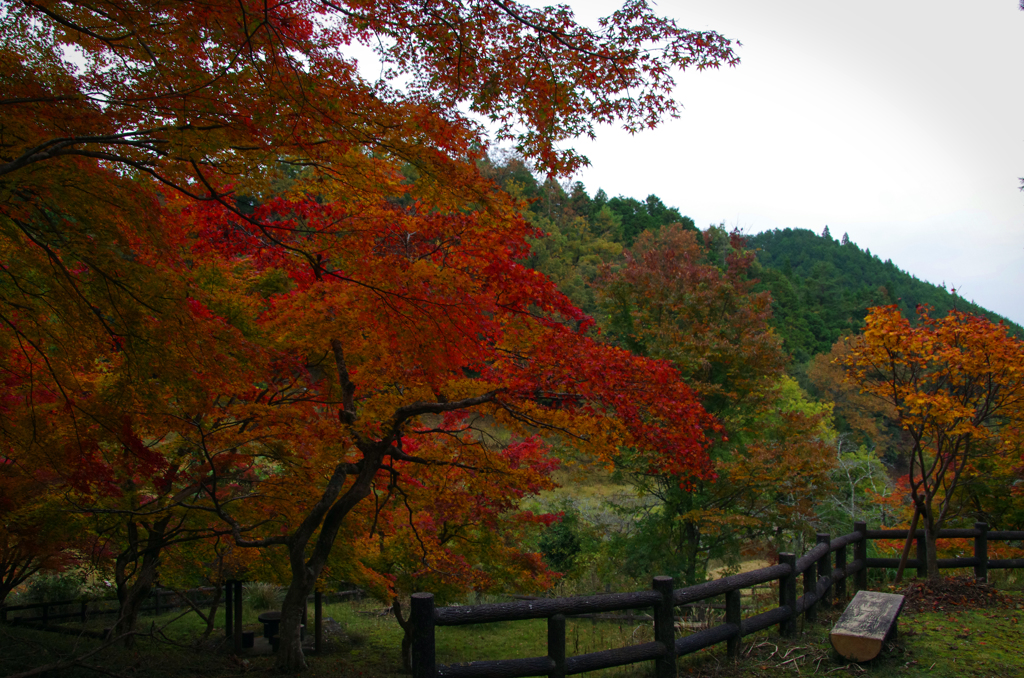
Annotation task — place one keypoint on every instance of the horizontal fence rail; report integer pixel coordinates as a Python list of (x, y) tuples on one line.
[(822, 580), (161, 600), (158, 602)]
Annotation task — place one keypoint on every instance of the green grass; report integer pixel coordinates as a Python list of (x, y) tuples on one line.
[(950, 644), (364, 642)]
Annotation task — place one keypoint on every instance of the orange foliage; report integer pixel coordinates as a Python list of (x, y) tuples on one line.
[(238, 279), (957, 386)]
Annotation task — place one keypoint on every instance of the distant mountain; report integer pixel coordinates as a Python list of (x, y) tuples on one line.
[(822, 287)]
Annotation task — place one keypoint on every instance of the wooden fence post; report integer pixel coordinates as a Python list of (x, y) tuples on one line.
[(733, 612), (841, 566), (318, 621), (825, 568), (229, 596), (810, 586), (860, 552), (556, 644), (981, 552), (787, 594), (665, 628), (421, 614), (237, 636)]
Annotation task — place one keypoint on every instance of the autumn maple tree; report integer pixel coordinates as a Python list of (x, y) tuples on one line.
[(239, 279), (387, 352), (689, 297), (957, 386)]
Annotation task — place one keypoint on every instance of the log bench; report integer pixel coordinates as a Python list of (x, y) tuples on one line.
[(866, 624)]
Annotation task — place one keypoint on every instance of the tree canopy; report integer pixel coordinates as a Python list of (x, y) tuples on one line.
[(232, 267), (957, 387)]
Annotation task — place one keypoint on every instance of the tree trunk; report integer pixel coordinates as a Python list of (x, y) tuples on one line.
[(406, 624), (211, 619), (906, 545), (333, 506), (328, 515), (289, 655), (134, 585), (131, 598)]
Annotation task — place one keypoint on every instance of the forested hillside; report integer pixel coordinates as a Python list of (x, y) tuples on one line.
[(822, 287)]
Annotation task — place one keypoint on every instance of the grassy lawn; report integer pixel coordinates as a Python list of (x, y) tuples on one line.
[(951, 644), (363, 641)]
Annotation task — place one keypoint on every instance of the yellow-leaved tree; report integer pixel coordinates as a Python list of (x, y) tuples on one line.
[(957, 385)]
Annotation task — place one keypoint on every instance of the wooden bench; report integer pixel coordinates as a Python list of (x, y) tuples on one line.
[(868, 622)]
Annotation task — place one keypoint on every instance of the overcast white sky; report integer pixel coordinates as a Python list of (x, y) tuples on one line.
[(900, 122)]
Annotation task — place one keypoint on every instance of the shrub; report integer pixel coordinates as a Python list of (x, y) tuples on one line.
[(48, 588), (560, 542), (261, 595)]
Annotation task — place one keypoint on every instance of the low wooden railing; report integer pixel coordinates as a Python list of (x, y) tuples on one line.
[(163, 600), (821, 581)]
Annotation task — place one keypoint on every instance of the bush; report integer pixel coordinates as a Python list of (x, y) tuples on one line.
[(261, 595), (49, 588), (560, 542)]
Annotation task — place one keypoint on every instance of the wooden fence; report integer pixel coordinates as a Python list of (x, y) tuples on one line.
[(821, 581), (160, 601)]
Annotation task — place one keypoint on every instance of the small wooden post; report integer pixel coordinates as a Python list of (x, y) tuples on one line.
[(556, 644), (665, 628), (860, 552), (922, 561), (981, 552), (318, 621), (421, 614), (787, 594), (841, 566), (825, 568), (237, 636), (810, 575), (733, 612), (229, 596)]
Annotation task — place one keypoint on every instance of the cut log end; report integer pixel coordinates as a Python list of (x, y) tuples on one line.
[(869, 620), (856, 648)]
